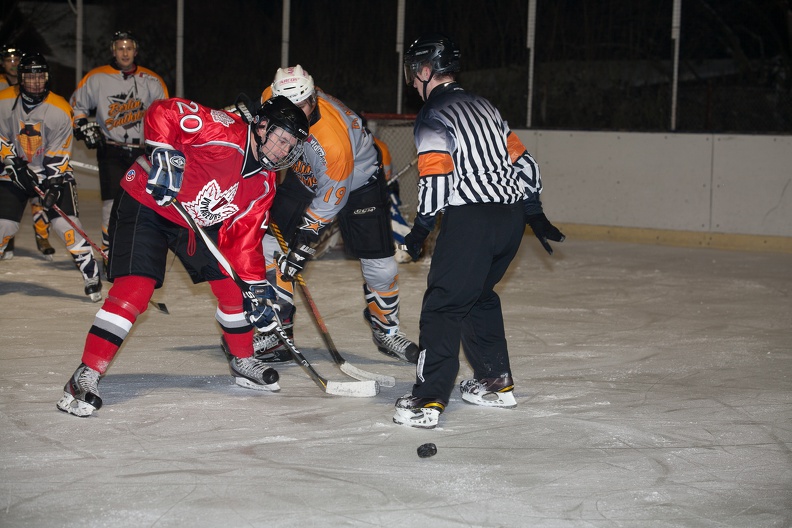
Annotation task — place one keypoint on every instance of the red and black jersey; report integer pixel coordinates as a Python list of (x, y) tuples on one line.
[(223, 182)]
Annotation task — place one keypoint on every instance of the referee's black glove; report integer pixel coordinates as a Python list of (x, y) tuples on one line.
[(544, 230), (414, 241)]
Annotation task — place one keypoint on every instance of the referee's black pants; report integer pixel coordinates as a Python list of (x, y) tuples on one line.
[(475, 246)]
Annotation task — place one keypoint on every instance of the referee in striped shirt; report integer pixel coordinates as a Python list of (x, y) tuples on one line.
[(478, 173)]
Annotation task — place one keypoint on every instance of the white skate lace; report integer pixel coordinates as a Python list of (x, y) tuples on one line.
[(397, 341), (88, 380), (252, 367)]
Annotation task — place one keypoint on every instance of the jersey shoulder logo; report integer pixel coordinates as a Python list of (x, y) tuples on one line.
[(212, 205), (221, 117)]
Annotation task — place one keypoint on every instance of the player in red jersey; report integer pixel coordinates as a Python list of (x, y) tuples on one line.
[(221, 169)]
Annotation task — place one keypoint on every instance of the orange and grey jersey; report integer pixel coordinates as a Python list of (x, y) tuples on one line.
[(120, 100), (4, 81), (338, 157), (42, 136), (468, 155), (387, 161)]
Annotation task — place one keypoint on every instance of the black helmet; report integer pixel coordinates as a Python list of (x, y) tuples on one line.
[(123, 35), (10, 51), (276, 115), (435, 50), (33, 63)]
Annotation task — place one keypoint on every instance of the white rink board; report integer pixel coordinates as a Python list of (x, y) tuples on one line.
[(752, 185), (688, 182)]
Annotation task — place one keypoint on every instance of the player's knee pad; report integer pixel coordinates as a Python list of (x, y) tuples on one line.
[(381, 274), (8, 229)]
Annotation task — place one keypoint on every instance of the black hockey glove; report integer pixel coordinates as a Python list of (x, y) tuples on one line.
[(292, 264), (258, 305), (301, 250), (165, 178), (90, 133), (414, 241), (544, 230), (17, 170), (52, 187)]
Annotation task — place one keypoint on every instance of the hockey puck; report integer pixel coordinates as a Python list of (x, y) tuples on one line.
[(270, 376), (427, 450)]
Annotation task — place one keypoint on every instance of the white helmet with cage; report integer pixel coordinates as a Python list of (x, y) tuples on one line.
[(294, 83)]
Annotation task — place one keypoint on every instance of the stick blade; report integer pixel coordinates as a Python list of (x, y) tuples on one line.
[(359, 374), (355, 389)]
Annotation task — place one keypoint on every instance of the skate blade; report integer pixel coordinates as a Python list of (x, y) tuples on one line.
[(95, 297), (244, 382), (503, 400), (69, 404), (46, 257)]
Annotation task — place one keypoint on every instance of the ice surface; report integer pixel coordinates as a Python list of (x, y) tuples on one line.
[(653, 389)]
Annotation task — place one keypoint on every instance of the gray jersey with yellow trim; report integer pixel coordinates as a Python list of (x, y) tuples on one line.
[(42, 137), (120, 100)]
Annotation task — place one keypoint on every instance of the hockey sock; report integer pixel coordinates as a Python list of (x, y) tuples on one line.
[(40, 221), (126, 300), (237, 331), (383, 308)]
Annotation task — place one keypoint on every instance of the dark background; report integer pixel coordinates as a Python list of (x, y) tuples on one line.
[(601, 65)]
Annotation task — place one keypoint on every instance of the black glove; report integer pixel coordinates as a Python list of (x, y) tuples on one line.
[(292, 264), (544, 230), (414, 241), (258, 305), (90, 133), (52, 187), (20, 174)]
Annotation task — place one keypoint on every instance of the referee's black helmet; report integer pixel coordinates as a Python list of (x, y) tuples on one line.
[(435, 50)]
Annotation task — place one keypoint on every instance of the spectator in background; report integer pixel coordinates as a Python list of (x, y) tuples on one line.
[(9, 77), (119, 93), (35, 147)]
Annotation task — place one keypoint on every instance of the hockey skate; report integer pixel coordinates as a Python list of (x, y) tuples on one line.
[(269, 348), (489, 392), (81, 393), (252, 373), (44, 246), (8, 254), (392, 342), (93, 289), (417, 412)]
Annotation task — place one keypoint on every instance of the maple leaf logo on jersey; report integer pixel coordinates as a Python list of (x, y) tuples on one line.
[(212, 205), (222, 118)]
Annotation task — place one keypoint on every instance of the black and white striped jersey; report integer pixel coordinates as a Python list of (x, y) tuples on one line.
[(468, 155)]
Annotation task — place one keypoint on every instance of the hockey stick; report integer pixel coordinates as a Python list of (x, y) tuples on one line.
[(81, 165), (405, 169), (343, 364), (71, 222), (349, 388), (158, 305)]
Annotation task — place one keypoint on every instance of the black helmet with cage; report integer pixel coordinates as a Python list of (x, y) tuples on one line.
[(276, 116), (435, 50), (33, 74)]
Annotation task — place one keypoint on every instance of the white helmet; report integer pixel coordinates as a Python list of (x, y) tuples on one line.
[(294, 83)]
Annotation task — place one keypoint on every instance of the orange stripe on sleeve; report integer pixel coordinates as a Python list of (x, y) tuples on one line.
[(435, 164), (515, 146)]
